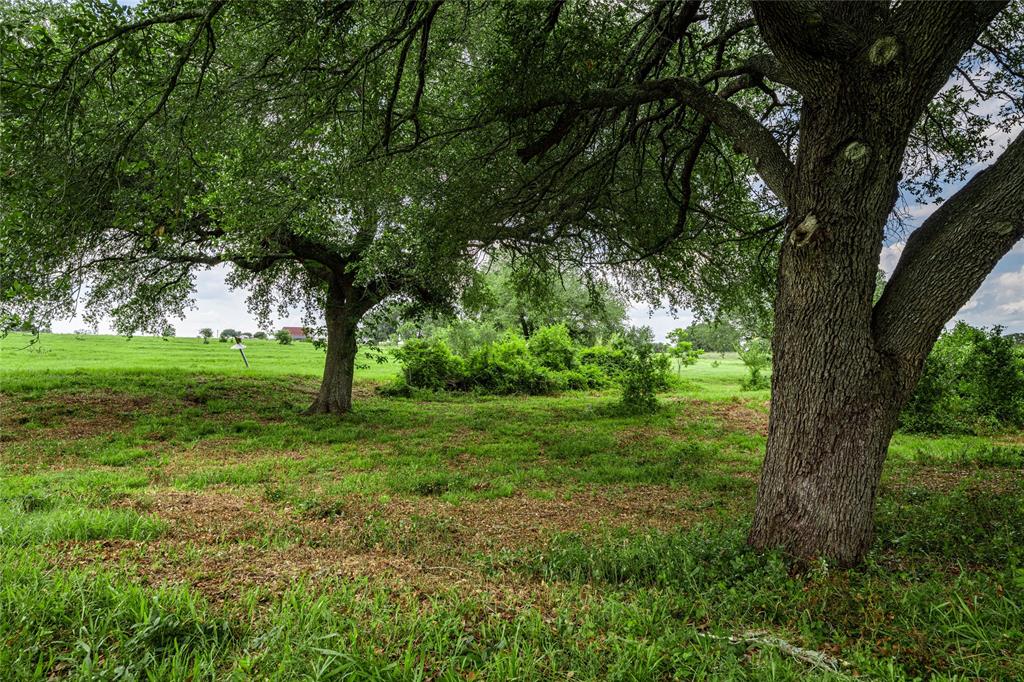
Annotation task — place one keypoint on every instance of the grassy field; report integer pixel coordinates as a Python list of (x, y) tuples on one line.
[(166, 513)]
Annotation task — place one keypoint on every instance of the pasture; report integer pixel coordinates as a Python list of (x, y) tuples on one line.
[(166, 513)]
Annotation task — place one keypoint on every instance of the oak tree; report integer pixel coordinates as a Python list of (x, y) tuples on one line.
[(840, 109), (144, 144)]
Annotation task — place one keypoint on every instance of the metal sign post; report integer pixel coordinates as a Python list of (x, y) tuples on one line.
[(241, 349)]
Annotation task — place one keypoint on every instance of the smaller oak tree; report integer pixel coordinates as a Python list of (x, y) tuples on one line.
[(682, 349)]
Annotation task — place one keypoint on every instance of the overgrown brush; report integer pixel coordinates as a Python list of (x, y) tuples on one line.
[(549, 362), (973, 382)]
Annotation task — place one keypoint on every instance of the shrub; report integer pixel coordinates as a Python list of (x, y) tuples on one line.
[(645, 373), (259, 335), (996, 374), (283, 337), (581, 378), (430, 364), (511, 365), (466, 336), (610, 360), (553, 347), (932, 408), (972, 381), (756, 355), (507, 366), (397, 388)]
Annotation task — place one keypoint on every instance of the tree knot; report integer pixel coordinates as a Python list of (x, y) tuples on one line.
[(855, 152), (883, 51), (804, 231)]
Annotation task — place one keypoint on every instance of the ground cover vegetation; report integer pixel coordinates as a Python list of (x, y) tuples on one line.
[(166, 513)]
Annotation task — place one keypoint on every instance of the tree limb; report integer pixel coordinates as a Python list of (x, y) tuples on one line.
[(948, 257), (746, 132), (931, 38)]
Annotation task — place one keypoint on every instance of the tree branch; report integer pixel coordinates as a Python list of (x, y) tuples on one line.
[(949, 256), (931, 38), (746, 132)]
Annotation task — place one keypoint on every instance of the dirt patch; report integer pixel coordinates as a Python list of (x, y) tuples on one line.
[(209, 517), (734, 416), (223, 572), (521, 521), (945, 480), (71, 416), (518, 522), (223, 544), (633, 436), (223, 451)]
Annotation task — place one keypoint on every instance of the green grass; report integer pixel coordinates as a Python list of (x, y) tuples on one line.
[(166, 513), (67, 352)]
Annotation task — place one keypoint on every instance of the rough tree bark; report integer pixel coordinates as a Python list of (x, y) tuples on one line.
[(843, 368), (345, 306)]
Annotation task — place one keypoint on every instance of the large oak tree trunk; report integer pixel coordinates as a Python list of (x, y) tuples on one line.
[(844, 366), (342, 315), (834, 410), (835, 395)]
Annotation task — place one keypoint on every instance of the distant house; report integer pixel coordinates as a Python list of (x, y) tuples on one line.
[(298, 333)]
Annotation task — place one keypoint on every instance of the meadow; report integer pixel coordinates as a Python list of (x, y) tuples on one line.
[(167, 513)]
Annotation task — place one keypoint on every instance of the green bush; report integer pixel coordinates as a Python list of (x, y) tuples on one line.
[(430, 365), (282, 335), (465, 337), (581, 378), (507, 366), (996, 371), (549, 362), (553, 348), (972, 382), (934, 407), (608, 359), (756, 354), (645, 373)]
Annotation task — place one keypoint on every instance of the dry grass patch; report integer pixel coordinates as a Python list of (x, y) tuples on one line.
[(222, 543), (224, 572), (70, 416), (210, 516), (733, 415), (943, 480), (522, 521)]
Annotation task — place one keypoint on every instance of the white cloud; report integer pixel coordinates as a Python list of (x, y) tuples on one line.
[(660, 320), (1000, 299), (1011, 282), (216, 306), (890, 257), (1012, 308), (918, 212)]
